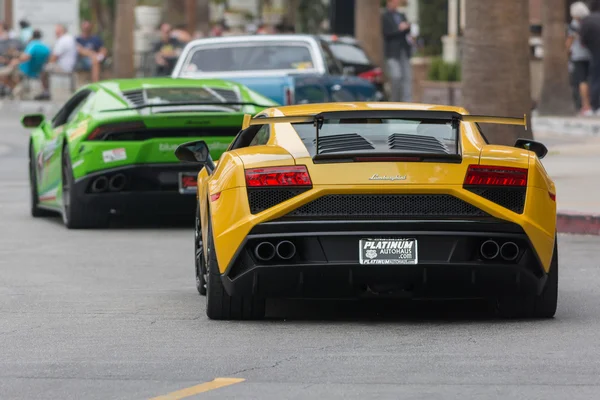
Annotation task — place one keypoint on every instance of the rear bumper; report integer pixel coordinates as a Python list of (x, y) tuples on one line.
[(150, 189), (326, 263)]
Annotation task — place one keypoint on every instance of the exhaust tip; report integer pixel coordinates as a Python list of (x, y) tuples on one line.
[(509, 251), (489, 249), (117, 183), (100, 184), (286, 249), (265, 251)]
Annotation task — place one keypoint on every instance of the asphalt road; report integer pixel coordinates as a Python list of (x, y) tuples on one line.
[(115, 315)]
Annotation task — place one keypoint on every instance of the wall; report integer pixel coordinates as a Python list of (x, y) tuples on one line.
[(45, 14)]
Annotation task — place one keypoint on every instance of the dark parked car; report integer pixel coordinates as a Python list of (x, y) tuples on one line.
[(354, 59)]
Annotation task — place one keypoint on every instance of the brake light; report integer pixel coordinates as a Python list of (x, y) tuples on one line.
[(278, 176), (289, 96), (552, 196), (100, 132), (215, 197), (485, 175), (374, 75)]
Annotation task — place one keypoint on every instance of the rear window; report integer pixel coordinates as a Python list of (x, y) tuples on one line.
[(349, 54), (381, 135), (263, 56), (181, 95)]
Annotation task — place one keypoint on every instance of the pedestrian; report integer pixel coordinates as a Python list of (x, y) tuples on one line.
[(580, 57), (166, 51), (397, 50), (62, 60), (26, 32), (91, 51), (589, 33)]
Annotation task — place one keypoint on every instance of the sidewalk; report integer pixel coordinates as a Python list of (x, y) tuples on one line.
[(573, 162)]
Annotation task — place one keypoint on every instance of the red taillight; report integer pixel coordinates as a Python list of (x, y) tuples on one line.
[(374, 75), (102, 130), (278, 176), (552, 196), (485, 175), (215, 197), (289, 96)]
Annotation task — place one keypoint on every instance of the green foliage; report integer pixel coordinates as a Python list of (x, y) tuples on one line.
[(441, 71), (311, 15), (433, 24)]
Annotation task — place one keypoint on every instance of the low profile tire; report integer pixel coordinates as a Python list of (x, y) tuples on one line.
[(36, 211), (199, 256), (219, 304), (534, 306), (74, 215)]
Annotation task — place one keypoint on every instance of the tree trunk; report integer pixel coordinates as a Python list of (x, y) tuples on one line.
[(123, 43), (291, 14), (556, 96), (495, 65), (203, 16), (367, 20)]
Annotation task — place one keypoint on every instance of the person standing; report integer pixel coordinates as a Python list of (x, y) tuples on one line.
[(589, 33), (166, 51), (397, 51), (580, 57)]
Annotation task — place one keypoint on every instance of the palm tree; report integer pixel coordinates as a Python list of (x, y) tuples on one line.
[(556, 97), (125, 21), (367, 22), (495, 64)]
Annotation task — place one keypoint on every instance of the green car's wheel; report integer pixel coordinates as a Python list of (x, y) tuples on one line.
[(533, 305), (36, 211), (199, 256), (73, 213), (219, 304)]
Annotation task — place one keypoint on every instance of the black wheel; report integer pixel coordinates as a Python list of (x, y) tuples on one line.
[(533, 305), (219, 304), (199, 256), (73, 213), (36, 211)]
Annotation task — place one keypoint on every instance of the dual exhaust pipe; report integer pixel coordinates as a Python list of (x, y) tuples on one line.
[(490, 250), (266, 251), (115, 184)]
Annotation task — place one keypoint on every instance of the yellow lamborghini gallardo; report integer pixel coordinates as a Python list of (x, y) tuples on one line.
[(350, 200)]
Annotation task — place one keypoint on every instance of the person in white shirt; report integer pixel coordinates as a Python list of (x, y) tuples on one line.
[(63, 58)]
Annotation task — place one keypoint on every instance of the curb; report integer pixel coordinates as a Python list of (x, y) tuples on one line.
[(577, 223)]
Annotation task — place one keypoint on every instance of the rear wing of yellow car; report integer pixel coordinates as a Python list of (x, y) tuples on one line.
[(423, 153), (387, 114)]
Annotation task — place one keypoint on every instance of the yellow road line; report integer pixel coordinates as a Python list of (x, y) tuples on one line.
[(203, 387)]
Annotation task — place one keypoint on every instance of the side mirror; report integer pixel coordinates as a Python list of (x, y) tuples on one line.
[(531, 145), (195, 152), (349, 71), (32, 120)]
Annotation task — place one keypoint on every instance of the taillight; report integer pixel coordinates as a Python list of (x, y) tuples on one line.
[(374, 75), (102, 131), (485, 175), (278, 176), (289, 96)]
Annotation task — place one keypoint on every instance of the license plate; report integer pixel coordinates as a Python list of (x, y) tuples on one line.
[(188, 182), (388, 251)]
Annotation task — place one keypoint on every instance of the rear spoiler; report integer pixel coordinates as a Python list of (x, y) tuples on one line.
[(188, 103), (425, 115), (400, 114)]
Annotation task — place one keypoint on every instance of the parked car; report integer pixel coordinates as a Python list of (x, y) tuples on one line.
[(109, 149), (289, 69), (354, 59)]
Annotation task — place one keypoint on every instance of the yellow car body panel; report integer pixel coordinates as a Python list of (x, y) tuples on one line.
[(231, 218)]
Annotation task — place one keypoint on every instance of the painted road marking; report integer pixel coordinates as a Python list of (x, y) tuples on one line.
[(203, 387)]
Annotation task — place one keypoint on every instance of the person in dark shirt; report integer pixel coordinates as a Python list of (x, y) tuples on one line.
[(91, 51), (166, 51), (397, 51), (590, 38)]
